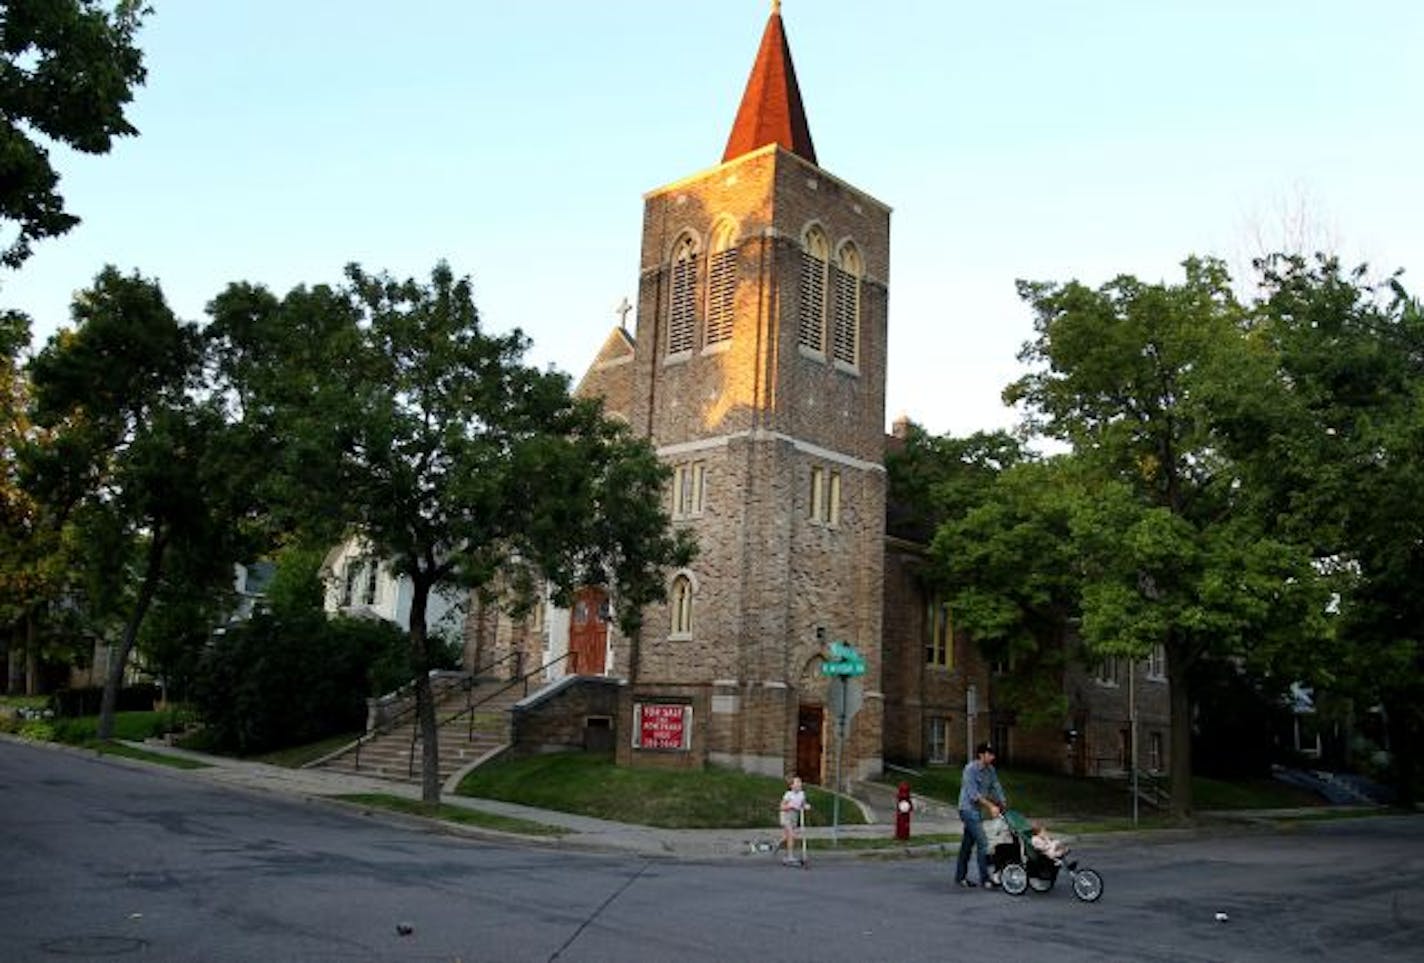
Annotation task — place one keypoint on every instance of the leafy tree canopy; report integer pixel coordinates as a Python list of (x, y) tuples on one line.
[(403, 419), (141, 461), (68, 69)]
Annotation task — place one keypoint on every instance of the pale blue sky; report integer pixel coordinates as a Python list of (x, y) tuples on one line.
[(1036, 139)]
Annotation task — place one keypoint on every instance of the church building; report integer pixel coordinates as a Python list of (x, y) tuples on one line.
[(757, 368)]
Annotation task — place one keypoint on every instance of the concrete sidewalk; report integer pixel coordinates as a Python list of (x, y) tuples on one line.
[(581, 832), (931, 818)]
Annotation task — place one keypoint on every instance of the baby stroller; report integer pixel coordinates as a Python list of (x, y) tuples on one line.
[(1021, 867)]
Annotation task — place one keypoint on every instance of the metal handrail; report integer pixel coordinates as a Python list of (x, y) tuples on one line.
[(388, 725), (470, 709)]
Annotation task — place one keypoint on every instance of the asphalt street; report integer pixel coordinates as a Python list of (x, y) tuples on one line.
[(109, 859)]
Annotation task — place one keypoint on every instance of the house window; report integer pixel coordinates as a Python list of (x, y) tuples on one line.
[(688, 485), (1157, 664), (846, 327), (722, 284), (937, 739), (1109, 671), (348, 583), (815, 259), (825, 496), (682, 606), (369, 596), (682, 299), (939, 635), (1154, 751), (1002, 661)]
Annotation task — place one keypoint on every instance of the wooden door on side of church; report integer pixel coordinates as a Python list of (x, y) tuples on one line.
[(808, 743), (588, 632)]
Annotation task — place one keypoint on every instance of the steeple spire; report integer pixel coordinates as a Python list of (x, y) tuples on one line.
[(771, 111)]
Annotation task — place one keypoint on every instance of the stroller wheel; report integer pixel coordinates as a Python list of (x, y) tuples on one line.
[(1014, 879), (1087, 885)]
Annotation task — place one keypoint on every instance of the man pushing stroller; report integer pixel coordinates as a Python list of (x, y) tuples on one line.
[(979, 791)]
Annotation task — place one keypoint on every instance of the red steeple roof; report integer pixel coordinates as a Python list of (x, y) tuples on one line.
[(771, 111)]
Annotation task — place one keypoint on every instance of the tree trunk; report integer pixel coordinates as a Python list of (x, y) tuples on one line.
[(11, 662), (424, 697), (31, 656), (114, 679), (1180, 764)]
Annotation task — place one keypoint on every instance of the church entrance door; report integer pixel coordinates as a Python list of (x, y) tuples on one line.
[(808, 743), (588, 632)]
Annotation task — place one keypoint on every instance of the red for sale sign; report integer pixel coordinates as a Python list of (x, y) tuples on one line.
[(662, 725)]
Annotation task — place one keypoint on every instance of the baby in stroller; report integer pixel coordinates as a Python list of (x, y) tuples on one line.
[(1049, 846), (1018, 841)]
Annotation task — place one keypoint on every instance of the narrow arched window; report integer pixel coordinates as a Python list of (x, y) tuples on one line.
[(722, 283), (815, 257), (682, 299), (849, 270), (682, 605)]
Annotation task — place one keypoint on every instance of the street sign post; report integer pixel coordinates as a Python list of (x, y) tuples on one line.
[(845, 665)]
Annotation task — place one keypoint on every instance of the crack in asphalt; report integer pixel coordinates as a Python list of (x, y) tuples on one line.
[(598, 911)]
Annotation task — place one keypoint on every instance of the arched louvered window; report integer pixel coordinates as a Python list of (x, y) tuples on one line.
[(815, 257), (846, 327), (722, 283), (682, 298)]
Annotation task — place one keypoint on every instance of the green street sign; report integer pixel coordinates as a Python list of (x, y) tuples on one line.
[(843, 660)]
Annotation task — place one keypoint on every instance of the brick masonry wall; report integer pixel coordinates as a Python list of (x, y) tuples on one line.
[(916, 692), (760, 416), (698, 697), (558, 721)]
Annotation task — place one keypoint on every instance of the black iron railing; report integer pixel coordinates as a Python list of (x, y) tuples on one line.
[(520, 679), (394, 721)]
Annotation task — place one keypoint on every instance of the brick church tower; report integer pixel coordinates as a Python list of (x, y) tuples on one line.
[(757, 369)]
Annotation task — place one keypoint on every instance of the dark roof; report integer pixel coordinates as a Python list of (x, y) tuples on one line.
[(771, 111)]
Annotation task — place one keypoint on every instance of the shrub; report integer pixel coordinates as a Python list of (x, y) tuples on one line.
[(286, 679), (73, 703)]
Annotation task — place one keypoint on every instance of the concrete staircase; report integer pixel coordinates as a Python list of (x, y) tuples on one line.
[(387, 754)]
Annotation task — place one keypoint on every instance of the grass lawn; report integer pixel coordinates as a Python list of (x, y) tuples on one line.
[(591, 785), (454, 814), (133, 752), (295, 757), (1105, 803)]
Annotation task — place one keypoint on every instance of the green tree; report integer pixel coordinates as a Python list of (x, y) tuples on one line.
[(452, 459), (1014, 582), (1127, 375), (140, 461), (17, 509), (68, 69), (996, 518), (1342, 448)]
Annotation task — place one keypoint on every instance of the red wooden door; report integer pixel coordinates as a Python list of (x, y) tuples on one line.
[(808, 743), (588, 632)]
